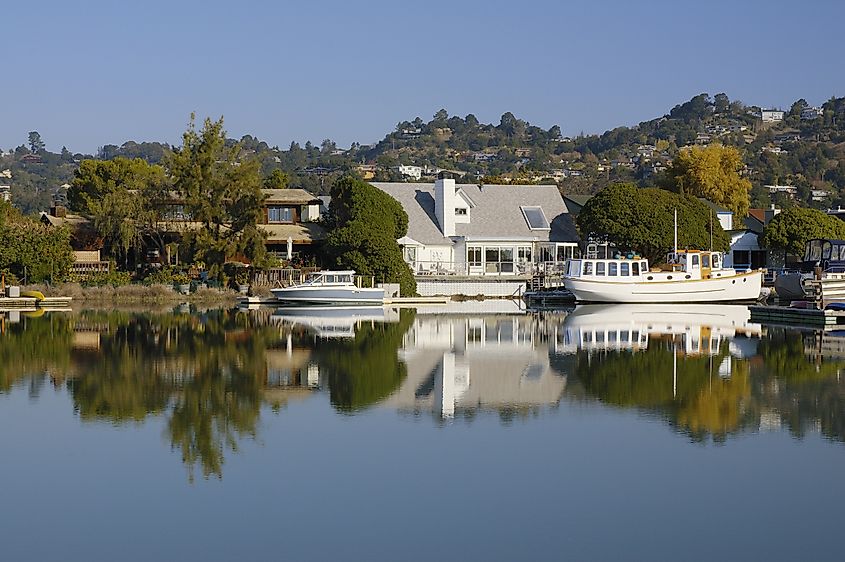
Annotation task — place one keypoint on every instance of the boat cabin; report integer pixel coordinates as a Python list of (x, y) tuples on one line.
[(680, 265), (825, 253), (331, 278)]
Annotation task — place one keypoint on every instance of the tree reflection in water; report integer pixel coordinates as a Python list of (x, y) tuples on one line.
[(208, 373)]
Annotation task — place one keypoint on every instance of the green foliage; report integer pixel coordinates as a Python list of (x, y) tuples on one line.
[(32, 251), (96, 179), (712, 172), (367, 222), (364, 370), (222, 192), (789, 230), (276, 180), (114, 278), (643, 219)]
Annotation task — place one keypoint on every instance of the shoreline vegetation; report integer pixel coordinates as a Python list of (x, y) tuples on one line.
[(134, 293)]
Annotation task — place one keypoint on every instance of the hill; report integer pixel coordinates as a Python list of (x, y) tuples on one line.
[(803, 147)]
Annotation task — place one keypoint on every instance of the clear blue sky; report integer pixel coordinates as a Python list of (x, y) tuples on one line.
[(88, 73)]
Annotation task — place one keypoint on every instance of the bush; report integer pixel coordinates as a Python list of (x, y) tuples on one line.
[(113, 278)]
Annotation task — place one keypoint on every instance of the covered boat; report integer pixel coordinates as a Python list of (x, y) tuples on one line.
[(330, 287), (823, 258), (690, 276)]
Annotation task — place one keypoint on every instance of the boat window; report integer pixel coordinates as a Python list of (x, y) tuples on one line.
[(624, 269), (705, 260), (611, 268), (826, 251), (588, 268), (600, 268), (814, 250), (635, 268), (717, 261), (695, 261), (644, 266)]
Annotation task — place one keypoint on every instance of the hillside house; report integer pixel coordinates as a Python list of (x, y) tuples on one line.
[(771, 115), (5, 193), (810, 113)]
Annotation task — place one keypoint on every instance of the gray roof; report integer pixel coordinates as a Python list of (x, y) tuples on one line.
[(496, 213)]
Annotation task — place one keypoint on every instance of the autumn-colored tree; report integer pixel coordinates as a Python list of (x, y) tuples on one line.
[(712, 172)]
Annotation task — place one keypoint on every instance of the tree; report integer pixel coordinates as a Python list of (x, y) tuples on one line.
[(276, 180), (32, 250), (789, 230), (36, 145), (712, 172), (222, 192), (642, 219), (721, 103), (366, 224), (97, 178)]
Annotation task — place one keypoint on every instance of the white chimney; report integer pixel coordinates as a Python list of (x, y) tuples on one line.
[(444, 205)]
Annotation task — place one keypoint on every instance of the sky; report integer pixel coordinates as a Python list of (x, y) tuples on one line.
[(89, 73)]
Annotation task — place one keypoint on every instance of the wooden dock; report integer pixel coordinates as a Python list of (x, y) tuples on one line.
[(806, 317), (32, 303)]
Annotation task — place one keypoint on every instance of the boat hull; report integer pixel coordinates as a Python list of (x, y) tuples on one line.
[(790, 286), (330, 295), (735, 288)]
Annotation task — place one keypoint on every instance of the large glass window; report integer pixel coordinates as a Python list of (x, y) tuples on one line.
[(506, 257), (474, 256), (279, 214)]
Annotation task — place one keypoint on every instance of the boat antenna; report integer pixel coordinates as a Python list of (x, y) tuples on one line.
[(711, 230), (676, 231)]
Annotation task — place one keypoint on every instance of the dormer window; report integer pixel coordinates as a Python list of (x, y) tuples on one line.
[(460, 212), (536, 218)]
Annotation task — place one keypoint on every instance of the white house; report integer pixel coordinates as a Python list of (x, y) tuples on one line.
[(771, 115), (5, 193), (488, 231), (410, 171)]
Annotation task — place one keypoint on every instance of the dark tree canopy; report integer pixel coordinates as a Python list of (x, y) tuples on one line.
[(642, 219), (367, 222), (791, 229)]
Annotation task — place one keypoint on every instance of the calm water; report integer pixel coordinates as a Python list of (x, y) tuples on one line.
[(475, 432)]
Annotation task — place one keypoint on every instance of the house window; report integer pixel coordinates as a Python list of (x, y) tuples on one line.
[(460, 211), (474, 256), (524, 254), (498, 259), (410, 254), (279, 214), (742, 258), (536, 218)]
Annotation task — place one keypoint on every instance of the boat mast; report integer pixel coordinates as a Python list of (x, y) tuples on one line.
[(676, 231)]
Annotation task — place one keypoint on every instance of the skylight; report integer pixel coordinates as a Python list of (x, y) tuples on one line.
[(536, 218)]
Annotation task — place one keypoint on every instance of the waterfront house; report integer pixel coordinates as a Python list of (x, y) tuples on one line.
[(474, 232), (771, 115)]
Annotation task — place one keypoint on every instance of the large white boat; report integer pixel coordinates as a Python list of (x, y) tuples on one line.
[(330, 287), (690, 276)]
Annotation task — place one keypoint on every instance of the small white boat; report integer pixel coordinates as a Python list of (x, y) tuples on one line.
[(330, 287), (690, 276)]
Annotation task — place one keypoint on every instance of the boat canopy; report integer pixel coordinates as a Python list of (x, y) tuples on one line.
[(824, 249)]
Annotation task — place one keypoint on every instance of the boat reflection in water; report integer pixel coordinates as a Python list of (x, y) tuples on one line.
[(333, 321), (695, 329)]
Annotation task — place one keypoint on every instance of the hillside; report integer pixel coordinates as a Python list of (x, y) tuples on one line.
[(805, 149)]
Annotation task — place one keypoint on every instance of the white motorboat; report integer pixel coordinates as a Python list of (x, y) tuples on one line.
[(690, 276), (330, 287)]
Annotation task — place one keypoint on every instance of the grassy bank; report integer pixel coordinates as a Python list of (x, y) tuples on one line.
[(133, 293)]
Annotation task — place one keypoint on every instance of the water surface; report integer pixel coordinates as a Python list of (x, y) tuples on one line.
[(476, 431)]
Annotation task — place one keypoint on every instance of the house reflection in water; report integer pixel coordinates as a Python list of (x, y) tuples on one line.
[(471, 363)]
